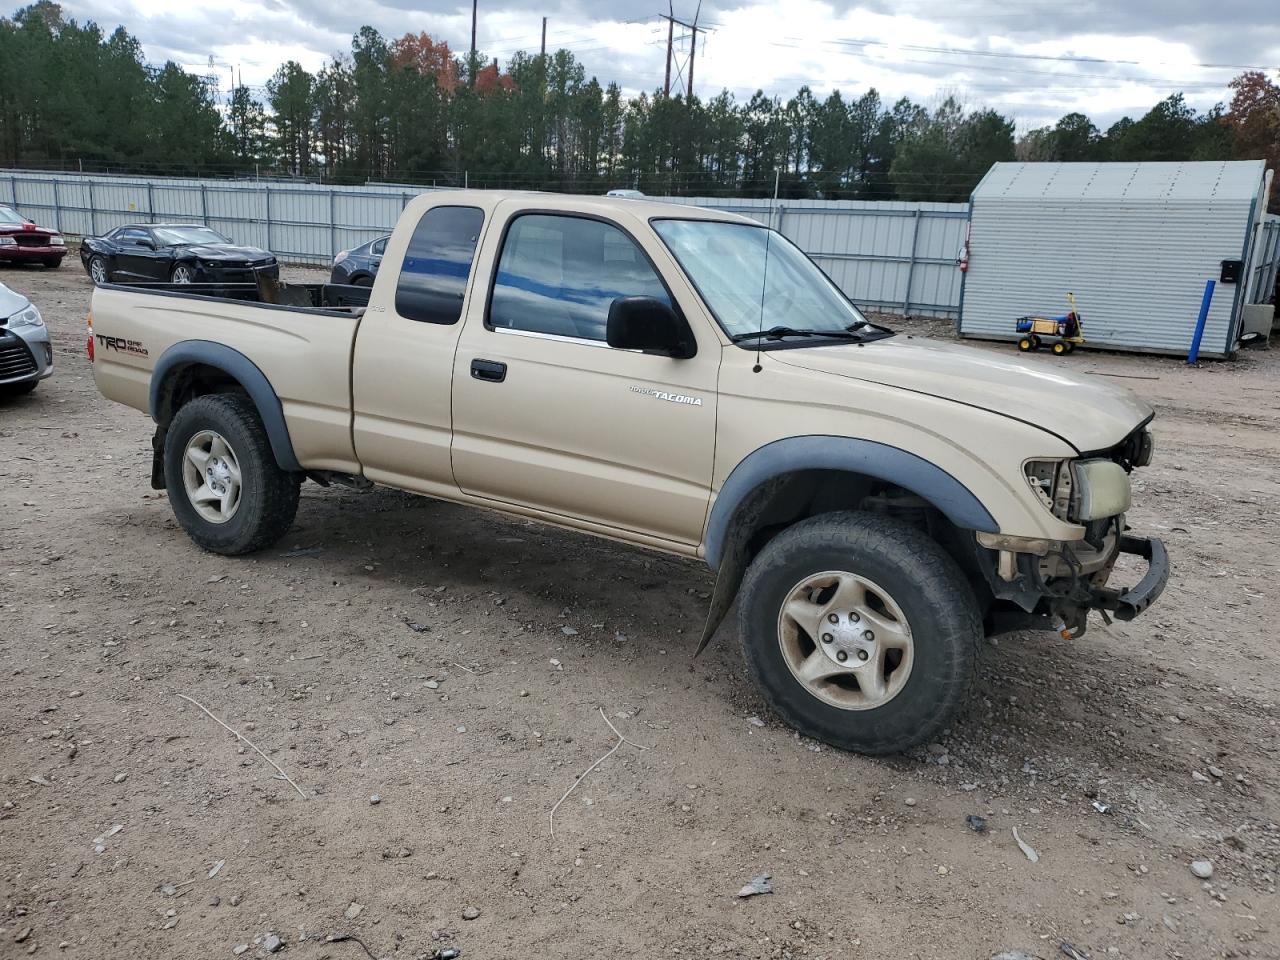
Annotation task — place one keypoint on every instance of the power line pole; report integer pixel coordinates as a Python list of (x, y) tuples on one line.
[(671, 30), (693, 49), (472, 61), (672, 40), (544, 36)]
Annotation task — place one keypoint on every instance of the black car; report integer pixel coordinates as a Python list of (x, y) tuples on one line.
[(173, 253), (359, 265)]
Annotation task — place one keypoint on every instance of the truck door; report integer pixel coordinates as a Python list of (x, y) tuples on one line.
[(404, 350), (549, 418)]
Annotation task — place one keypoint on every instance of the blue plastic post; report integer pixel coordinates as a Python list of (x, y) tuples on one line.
[(1194, 355)]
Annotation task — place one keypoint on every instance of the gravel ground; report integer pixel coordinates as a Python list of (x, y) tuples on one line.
[(433, 677)]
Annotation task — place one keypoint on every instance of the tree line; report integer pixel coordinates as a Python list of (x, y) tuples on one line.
[(410, 110)]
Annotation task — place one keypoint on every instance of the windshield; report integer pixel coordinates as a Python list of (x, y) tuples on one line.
[(168, 236), (9, 215), (727, 263)]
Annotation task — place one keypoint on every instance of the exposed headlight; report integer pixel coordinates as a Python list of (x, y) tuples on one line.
[(1102, 489), (8, 242), (1078, 491), (30, 317), (57, 242), (341, 255)]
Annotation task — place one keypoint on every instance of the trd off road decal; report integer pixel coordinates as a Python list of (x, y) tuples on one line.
[(669, 397), (122, 345)]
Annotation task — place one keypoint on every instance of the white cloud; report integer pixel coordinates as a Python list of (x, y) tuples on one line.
[(911, 48)]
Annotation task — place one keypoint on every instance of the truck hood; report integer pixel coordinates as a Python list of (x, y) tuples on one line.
[(1089, 414), (11, 302)]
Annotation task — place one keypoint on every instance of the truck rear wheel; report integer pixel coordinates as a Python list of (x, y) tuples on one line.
[(225, 487), (860, 631)]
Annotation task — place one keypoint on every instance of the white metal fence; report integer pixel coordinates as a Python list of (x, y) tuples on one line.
[(890, 256)]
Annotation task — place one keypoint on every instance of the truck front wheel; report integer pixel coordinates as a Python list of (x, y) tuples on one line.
[(860, 631), (225, 487)]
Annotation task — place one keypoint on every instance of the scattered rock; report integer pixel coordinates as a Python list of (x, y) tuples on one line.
[(758, 885), (910, 801), (23, 935), (432, 684), (1199, 777), (235, 900), (240, 948), (976, 824), (470, 913), (375, 799), (417, 627), (40, 780), (271, 943), (755, 721), (1013, 955), (1202, 868), (75, 693), (354, 910), (1216, 772), (120, 778)]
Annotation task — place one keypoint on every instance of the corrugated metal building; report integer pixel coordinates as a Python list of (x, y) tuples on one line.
[(1135, 242)]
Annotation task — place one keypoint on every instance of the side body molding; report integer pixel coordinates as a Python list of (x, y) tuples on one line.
[(236, 365), (867, 457)]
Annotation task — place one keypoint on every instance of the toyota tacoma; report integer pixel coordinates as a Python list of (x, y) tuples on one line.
[(680, 379)]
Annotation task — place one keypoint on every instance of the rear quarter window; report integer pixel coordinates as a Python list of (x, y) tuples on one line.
[(437, 264)]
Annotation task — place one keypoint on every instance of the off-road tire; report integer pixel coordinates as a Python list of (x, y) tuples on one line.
[(922, 579), (269, 495)]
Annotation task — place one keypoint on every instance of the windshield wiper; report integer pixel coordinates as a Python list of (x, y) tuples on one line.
[(777, 333)]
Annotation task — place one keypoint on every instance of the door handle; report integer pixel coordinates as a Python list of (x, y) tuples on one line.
[(492, 370)]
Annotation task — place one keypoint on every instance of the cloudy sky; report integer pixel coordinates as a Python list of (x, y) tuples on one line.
[(1032, 59)]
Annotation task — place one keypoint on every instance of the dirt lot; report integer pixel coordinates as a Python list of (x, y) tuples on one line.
[(454, 664)]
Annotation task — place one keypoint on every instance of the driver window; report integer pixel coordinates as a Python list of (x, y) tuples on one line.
[(559, 274)]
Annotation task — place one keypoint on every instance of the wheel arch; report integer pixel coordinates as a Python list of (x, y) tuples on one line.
[(798, 477), (196, 367), (762, 473)]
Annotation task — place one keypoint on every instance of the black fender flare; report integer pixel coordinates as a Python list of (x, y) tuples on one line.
[(245, 372), (868, 457), (766, 469)]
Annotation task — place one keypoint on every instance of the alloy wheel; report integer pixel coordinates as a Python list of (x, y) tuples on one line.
[(846, 640)]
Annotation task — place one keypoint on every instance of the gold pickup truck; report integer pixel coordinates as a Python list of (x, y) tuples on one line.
[(679, 379)]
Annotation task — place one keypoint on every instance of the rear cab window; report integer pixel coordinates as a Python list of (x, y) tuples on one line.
[(558, 274), (437, 264)]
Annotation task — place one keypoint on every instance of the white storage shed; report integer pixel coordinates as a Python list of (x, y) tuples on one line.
[(1135, 243)]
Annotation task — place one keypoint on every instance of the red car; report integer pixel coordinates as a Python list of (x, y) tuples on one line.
[(21, 241)]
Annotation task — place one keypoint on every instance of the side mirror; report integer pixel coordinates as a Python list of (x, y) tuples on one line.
[(146, 242), (650, 325)]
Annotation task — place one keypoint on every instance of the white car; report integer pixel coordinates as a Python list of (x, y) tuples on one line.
[(626, 194)]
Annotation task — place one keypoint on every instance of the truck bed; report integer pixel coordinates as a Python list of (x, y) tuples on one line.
[(307, 297), (298, 337)]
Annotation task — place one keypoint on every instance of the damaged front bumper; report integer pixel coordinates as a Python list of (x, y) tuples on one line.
[(1127, 604), (1053, 585)]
